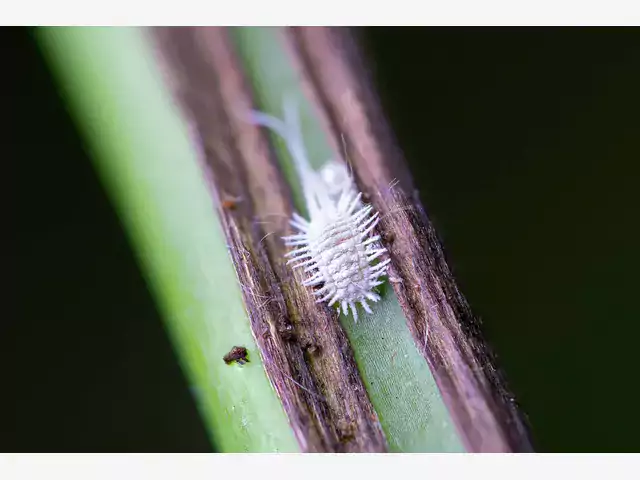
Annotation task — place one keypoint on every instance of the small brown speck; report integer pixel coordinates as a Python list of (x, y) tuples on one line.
[(236, 354), (285, 330), (312, 348), (229, 204), (346, 431)]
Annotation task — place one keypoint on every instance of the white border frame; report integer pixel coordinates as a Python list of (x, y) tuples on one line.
[(325, 12)]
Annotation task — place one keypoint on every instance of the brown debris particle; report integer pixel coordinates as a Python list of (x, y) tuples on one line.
[(236, 354), (229, 204)]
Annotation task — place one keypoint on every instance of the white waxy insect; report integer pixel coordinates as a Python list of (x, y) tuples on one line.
[(336, 246)]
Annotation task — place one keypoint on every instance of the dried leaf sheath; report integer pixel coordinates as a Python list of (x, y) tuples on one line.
[(473, 388), (304, 350)]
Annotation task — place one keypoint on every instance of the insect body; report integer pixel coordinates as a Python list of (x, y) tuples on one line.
[(336, 246)]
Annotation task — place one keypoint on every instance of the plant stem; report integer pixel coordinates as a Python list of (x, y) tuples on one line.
[(443, 326)]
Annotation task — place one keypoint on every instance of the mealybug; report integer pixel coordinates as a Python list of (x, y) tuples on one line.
[(336, 246)]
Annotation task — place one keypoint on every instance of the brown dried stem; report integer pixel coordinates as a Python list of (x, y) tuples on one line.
[(443, 327), (302, 345)]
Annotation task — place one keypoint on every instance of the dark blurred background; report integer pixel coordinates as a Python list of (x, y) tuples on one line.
[(525, 144)]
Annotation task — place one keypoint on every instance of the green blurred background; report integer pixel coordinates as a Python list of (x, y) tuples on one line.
[(525, 144)]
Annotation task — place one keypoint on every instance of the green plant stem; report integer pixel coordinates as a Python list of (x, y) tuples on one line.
[(143, 153)]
